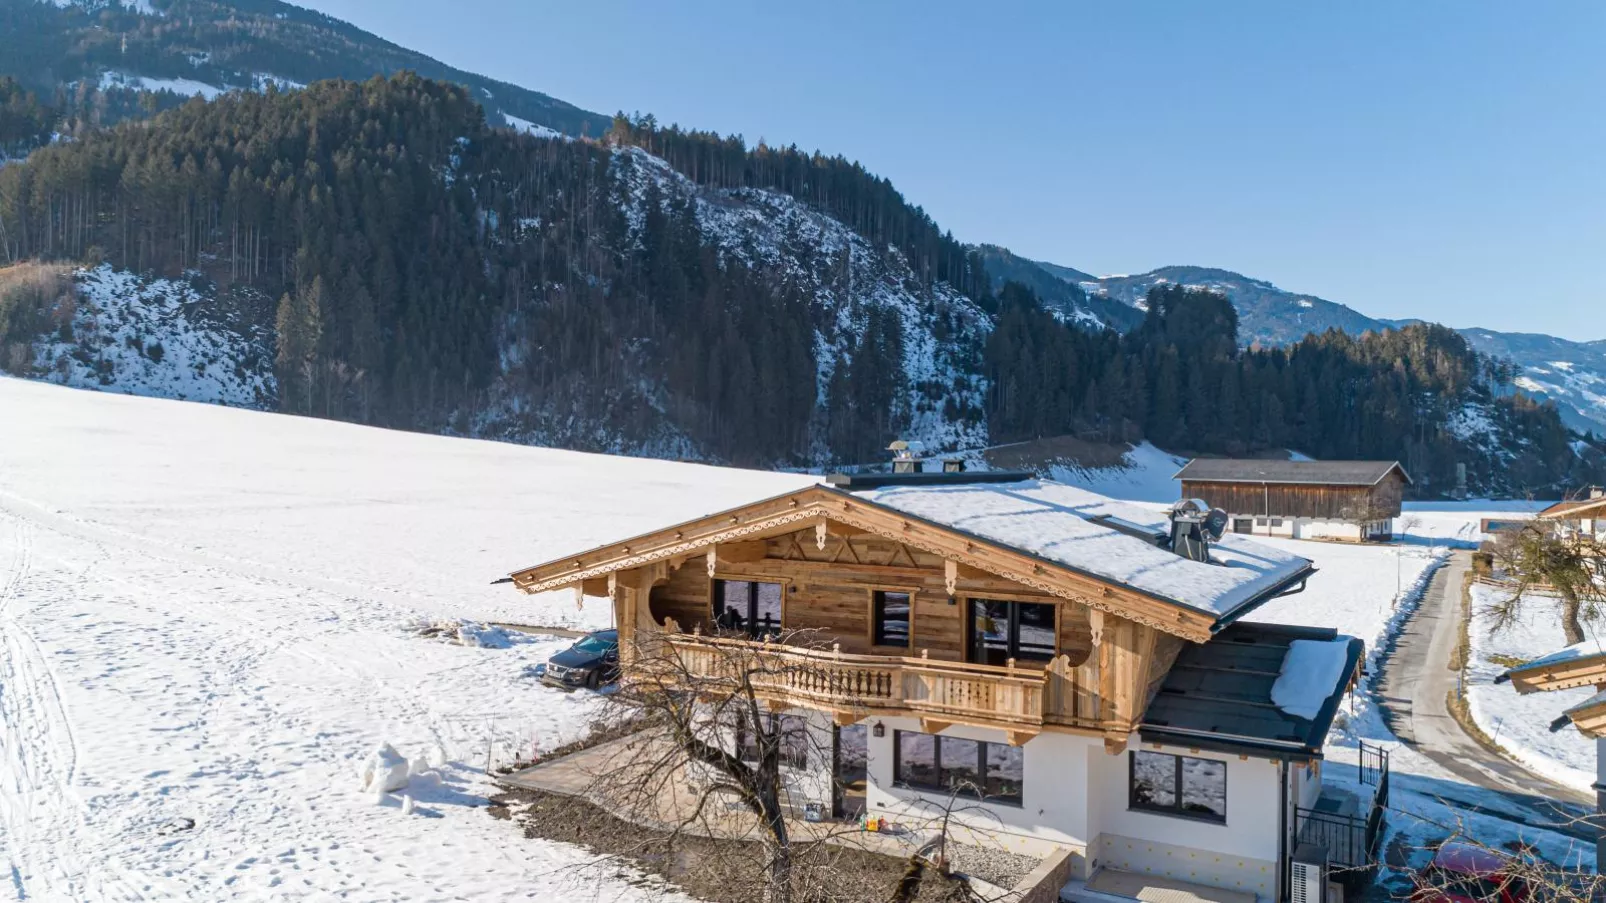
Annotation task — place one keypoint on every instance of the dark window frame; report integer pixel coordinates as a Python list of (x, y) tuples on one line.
[(750, 616), (1175, 810), (974, 793), (878, 635), (1012, 644)]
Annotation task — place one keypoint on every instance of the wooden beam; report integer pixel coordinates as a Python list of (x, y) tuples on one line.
[(736, 553), (1019, 738), (1115, 744), (845, 718), (950, 575), (934, 726), (594, 586)]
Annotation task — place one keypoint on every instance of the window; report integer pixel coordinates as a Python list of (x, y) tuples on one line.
[(791, 733), (748, 607), (1179, 785), (991, 771), (1276, 522), (890, 617), (1000, 631)]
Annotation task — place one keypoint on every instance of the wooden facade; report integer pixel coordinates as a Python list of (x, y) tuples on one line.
[(830, 554), (1297, 500)]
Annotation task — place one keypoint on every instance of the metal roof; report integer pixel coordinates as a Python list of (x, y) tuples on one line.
[(1218, 695), (1305, 473)]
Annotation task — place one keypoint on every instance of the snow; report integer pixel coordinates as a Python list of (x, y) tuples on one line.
[(1361, 590), (157, 337), (205, 616), (386, 771), (181, 86), (1521, 724), (1145, 474), (530, 128), (1054, 521), (1312, 671)]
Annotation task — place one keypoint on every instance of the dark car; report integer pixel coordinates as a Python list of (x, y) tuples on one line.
[(590, 662)]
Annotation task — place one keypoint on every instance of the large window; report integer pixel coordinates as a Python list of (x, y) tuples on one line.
[(991, 771), (748, 606), (890, 617), (791, 733), (1179, 785), (1000, 631)]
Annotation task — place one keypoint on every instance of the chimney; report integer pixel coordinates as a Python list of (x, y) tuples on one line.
[(1596, 492), (905, 456)]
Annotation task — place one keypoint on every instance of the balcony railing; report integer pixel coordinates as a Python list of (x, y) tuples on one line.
[(1016, 697)]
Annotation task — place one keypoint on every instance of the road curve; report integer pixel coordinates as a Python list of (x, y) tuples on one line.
[(1414, 682)]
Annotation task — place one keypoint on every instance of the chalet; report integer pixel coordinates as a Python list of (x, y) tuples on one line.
[(1350, 500), (1070, 661), (1586, 515), (1575, 667)]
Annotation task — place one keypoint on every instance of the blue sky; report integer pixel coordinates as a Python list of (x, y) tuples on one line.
[(1441, 160)]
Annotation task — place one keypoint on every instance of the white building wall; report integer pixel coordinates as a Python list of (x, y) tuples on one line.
[(1309, 528), (1076, 797), (1239, 855)]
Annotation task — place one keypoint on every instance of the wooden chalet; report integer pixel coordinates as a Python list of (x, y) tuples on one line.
[(1064, 651), (1349, 500), (1586, 515)]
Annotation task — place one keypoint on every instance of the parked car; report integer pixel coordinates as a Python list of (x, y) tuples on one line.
[(1467, 873), (591, 662)]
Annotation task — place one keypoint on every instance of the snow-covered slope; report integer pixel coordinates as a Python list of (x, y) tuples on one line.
[(164, 338), (205, 623)]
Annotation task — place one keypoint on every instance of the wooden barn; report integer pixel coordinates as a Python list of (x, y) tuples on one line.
[(1347, 500)]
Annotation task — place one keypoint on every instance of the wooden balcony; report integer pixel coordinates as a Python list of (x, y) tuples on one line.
[(1022, 699)]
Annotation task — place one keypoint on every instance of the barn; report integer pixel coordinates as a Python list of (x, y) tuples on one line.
[(1344, 500)]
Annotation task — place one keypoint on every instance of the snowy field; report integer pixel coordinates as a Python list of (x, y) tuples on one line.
[(205, 612), (1521, 724)]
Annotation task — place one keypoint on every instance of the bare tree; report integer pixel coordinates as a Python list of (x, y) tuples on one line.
[(714, 758), (1546, 559)]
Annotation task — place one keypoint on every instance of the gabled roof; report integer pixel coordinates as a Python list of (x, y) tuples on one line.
[(1579, 665), (1052, 537), (1575, 509), (1302, 473), (1218, 695), (1093, 535)]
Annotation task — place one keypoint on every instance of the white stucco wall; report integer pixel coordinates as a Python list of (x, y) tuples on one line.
[(1054, 806), (1306, 528), (1252, 800)]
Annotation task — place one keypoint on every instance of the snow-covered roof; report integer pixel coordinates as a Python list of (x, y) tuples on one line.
[(1303, 473), (1097, 536)]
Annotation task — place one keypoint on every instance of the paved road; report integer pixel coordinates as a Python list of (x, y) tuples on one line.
[(1414, 683)]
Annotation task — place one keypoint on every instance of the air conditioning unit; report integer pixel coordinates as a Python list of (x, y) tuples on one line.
[(1308, 878)]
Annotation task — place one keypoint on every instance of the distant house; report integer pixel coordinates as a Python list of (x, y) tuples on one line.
[(1352, 500), (1585, 515)]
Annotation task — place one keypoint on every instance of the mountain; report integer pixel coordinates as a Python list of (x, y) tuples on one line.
[(98, 57), (1572, 374), (1060, 290), (386, 251)]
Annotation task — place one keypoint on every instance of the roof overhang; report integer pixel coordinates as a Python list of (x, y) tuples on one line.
[(823, 505), (1575, 509), (1257, 480), (1548, 674)]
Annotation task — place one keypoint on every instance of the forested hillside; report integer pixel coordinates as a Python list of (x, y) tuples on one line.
[(89, 59), (664, 292)]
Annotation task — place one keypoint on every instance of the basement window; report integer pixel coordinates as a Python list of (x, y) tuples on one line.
[(1182, 786), (890, 617)]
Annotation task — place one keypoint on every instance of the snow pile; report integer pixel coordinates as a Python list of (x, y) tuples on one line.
[(386, 771), (159, 337), (1311, 673), (530, 128), (464, 632), (1521, 724)]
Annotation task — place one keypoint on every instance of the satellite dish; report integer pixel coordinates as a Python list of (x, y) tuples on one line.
[(1216, 523)]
